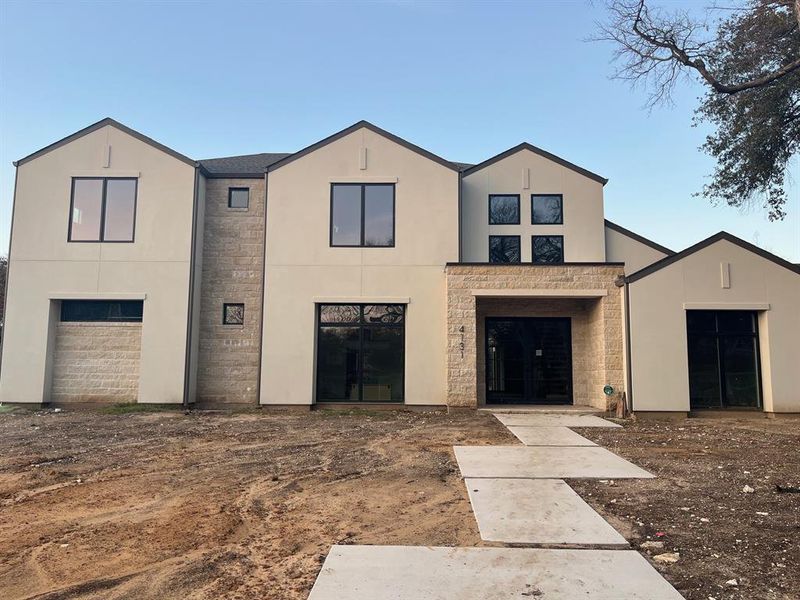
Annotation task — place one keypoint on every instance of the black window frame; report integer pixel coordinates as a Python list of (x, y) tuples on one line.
[(519, 245), (230, 197), (364, 187), (561, 211), (362, 324), (65, 317), (225, 306), (102, 239), (519, 208), (533, 250)]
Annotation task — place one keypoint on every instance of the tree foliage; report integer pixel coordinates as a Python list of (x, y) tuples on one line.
[(748, 56)]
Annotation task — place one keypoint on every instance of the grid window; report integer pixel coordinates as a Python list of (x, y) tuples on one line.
[(233, 314), (504, 249), (547, 209), (238, 197), (362, 215), (503, 209), (548, 249), (102, 209)]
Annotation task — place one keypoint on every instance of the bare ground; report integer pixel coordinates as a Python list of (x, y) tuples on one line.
[(167, 505), (211, 505), (697, 506)]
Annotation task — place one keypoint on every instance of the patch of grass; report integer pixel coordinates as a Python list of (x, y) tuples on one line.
[(6, 408), (124, 409)]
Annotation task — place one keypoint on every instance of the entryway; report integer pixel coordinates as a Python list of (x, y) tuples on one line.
[(528, 360), (723, 359)]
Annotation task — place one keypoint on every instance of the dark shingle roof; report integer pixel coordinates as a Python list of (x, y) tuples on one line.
[(246, 164)]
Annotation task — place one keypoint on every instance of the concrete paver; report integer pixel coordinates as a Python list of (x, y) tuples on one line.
[(548, 436), (419, 572), (544, 512), (545, 462), (551, 420)]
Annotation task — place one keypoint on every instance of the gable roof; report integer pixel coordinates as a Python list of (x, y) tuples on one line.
[(717, 237), (246, 165), (638, 238), (355, 127), (540, 152), (99, 125)]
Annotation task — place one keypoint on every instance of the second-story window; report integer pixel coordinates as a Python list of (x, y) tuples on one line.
[(547, 209), (548, 249), (362, 215), (102, 209), (503, 209), (504, 249), (238, 197)]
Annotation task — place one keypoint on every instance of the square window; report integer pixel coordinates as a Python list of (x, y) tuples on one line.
[(504, 249), (238, 197), (503, 209), (362, 215), (548, 249), (102, 209), (233, 314), (547, 209)]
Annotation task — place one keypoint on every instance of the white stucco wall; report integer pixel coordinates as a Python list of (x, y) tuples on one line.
[(583, 228), (44, 266), (658, 324), (301, 268), (635, 254)]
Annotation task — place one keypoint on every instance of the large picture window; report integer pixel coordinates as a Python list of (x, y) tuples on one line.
[(504, 249), (548, 249), (362, 215), (360, 352), (503, 209), (102, 209)]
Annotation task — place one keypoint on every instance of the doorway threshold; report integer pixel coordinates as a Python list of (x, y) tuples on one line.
[(553, 409)]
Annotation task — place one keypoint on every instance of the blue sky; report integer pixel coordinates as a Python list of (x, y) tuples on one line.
[(465, 81)]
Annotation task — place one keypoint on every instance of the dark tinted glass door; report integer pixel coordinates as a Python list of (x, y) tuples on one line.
[(723, 359), (528, 360)]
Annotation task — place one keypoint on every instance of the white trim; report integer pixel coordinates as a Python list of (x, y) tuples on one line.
[(363, 179), (97, 296), (538, 293), (361, 300), (726, 305), (105, 173)]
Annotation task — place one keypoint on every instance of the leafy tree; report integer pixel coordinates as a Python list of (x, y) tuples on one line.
[(748, 57)]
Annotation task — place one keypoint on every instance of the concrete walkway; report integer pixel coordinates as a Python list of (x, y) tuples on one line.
[(519, 498)]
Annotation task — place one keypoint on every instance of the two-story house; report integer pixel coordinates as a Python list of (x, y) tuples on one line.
[(366, 270)]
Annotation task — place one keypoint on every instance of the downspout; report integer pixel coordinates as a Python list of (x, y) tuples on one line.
[(190, 308), (263, 291), (629, 374)]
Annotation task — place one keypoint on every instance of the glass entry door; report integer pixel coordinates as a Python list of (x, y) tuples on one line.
[(723, 359), (528, 360)]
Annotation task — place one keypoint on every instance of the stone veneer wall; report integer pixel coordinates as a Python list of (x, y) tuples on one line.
[(96, 362), (233, 272), (596, 323)]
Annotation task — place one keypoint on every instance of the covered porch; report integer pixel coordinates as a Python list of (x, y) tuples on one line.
[(533, 335)]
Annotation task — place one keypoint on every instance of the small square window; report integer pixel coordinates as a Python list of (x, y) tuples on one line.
[(238, 197), (504, 249), (233, 314), (548, 249), (547, 209), (503, 209)]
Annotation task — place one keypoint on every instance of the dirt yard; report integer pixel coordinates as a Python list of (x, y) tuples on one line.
[(163, 505), (697, 506), (209, 505)]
